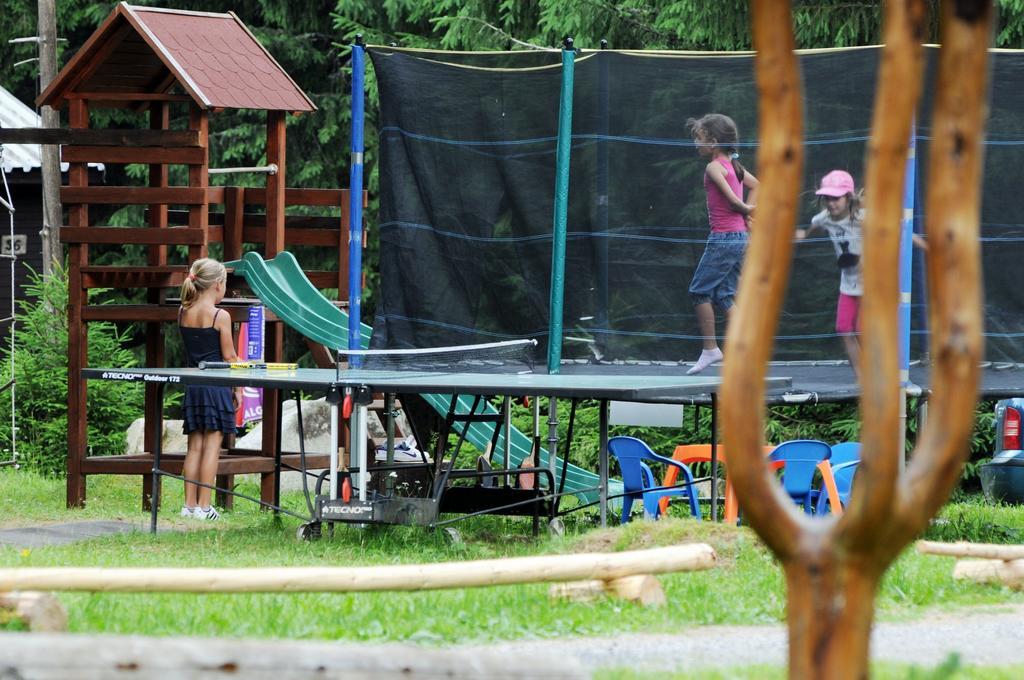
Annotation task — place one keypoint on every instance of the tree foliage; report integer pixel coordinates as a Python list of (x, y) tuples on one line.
[(41, 381)]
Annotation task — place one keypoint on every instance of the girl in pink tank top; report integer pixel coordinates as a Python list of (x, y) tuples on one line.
[(714, 281)]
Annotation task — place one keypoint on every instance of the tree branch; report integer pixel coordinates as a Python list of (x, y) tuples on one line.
[(500, 32), (896, 98), (765, 272), (954, 266), (628, 16)]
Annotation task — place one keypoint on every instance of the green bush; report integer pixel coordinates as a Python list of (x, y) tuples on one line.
[(41, 379), (828, 422)]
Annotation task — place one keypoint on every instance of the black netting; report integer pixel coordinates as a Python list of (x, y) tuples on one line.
[(467, 189)]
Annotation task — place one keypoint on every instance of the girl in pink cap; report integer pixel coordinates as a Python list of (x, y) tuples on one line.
[(842, 218)]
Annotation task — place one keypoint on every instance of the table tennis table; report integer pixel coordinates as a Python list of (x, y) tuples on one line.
[(344, 386)]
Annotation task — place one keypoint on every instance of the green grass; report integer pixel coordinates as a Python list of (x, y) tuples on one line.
[(747, 587)]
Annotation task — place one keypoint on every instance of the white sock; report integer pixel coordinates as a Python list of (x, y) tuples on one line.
[(707, 357)]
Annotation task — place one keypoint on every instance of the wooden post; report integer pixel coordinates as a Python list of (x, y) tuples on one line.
[(199, 177), (159, 119), (234, 216), (275, 243), (52, 213), (833, 566), (346, 196), (78, 257), (275, 183)]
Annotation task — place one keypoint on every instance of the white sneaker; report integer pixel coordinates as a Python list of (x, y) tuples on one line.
[(187, 511), (707, 357), (209, 513)]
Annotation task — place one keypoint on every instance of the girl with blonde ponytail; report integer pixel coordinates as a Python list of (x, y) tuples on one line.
[(209, 412)]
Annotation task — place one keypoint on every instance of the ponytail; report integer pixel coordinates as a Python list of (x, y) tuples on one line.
[(737, 167), (188, 291)]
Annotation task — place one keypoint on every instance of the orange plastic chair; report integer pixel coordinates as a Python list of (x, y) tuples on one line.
[(701, 453)]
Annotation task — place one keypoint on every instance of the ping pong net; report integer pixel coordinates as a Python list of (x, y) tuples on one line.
[(510, 356)]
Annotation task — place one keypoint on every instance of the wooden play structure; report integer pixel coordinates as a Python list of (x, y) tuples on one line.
[(986, 563), (173, 65), (833, 566)]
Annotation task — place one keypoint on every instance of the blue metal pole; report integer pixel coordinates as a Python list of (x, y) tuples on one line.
[(355, 202), (555, 308), (906, 278), (907, 258)]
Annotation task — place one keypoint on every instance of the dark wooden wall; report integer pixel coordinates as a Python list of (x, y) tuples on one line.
[(26, 193)]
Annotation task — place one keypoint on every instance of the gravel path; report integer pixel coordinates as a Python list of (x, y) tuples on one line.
[(981, 636)]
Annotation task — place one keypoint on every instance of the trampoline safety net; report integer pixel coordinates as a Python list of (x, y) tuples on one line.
[(467, 177)]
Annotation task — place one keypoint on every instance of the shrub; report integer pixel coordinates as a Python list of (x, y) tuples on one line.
[(41, 378)]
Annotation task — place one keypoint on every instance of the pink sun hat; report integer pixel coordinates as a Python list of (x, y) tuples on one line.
[(836, 183)]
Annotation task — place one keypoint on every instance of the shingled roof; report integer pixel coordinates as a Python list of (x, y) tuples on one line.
[(148, 50)]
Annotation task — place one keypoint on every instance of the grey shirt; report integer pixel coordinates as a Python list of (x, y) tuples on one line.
[(847, 238)]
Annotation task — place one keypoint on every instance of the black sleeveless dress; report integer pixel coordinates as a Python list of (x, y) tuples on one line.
[(205, 407)]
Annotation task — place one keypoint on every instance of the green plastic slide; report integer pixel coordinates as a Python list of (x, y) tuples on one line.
[(283, 287)]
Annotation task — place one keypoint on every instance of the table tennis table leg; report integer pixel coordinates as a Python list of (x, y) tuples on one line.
[(281, 397), (714, 457), (506, 448), (334, 450), (552, 440), (602, 462), (359, 434), (154, 501)]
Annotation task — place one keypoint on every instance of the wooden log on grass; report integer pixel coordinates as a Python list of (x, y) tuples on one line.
[(41, 612), (506, 571), (644, 589), (999, 564), (46, 656), (1008, 572), (992, 551)]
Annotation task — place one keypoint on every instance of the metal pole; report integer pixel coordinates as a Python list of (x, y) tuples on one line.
[(389, 408), (602, 461), (364, 476), (601, 245), (714, 457), (355, 203), (506, 458), (906, 269), (555, 308), (334, 451), (261, 169), (552, 440)]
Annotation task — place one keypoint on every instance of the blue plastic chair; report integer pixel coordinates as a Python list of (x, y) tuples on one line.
[(845, 459), (800, 458), (637, 478)]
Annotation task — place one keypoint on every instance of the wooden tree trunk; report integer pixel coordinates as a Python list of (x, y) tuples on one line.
[(833, 566), (830, 606)]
